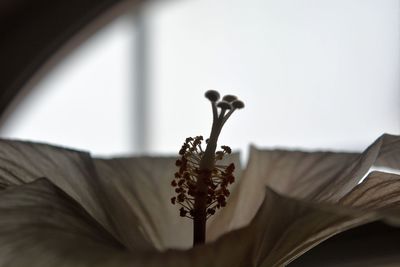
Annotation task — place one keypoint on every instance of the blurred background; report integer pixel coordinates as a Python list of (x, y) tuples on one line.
[(313, 75)]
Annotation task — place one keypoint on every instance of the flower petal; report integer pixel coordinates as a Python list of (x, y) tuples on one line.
[(377, 198), (282, 230), (73, 172), (24, 162), (379, 191), (316, 176), (297, 226), (297, 173), (41, 226), (383, 153), (138, 191)]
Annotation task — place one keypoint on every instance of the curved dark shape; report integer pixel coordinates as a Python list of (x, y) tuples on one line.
[(32, 31)]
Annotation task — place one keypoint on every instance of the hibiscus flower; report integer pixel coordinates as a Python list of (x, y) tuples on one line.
[(62, 207)]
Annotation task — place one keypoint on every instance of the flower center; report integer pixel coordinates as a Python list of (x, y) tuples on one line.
[(201, 184), (217, 179)]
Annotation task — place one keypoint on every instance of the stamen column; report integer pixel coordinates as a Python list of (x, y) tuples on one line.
[(207, 161)]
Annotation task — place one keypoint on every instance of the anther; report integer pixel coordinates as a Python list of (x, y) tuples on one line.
[(226, 149), (212, 95), (229, 98), (237, 104)]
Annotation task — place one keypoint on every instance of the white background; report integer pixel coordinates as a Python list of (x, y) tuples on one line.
[(313, 74)]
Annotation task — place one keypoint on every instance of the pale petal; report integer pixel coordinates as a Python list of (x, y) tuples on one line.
[(384, 153), (73, 171), (282, 170), (283, 230), (297, 226), (379, 194), (316, 176), (296, 173), (379, 191), (41, 226), (138, 191)]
